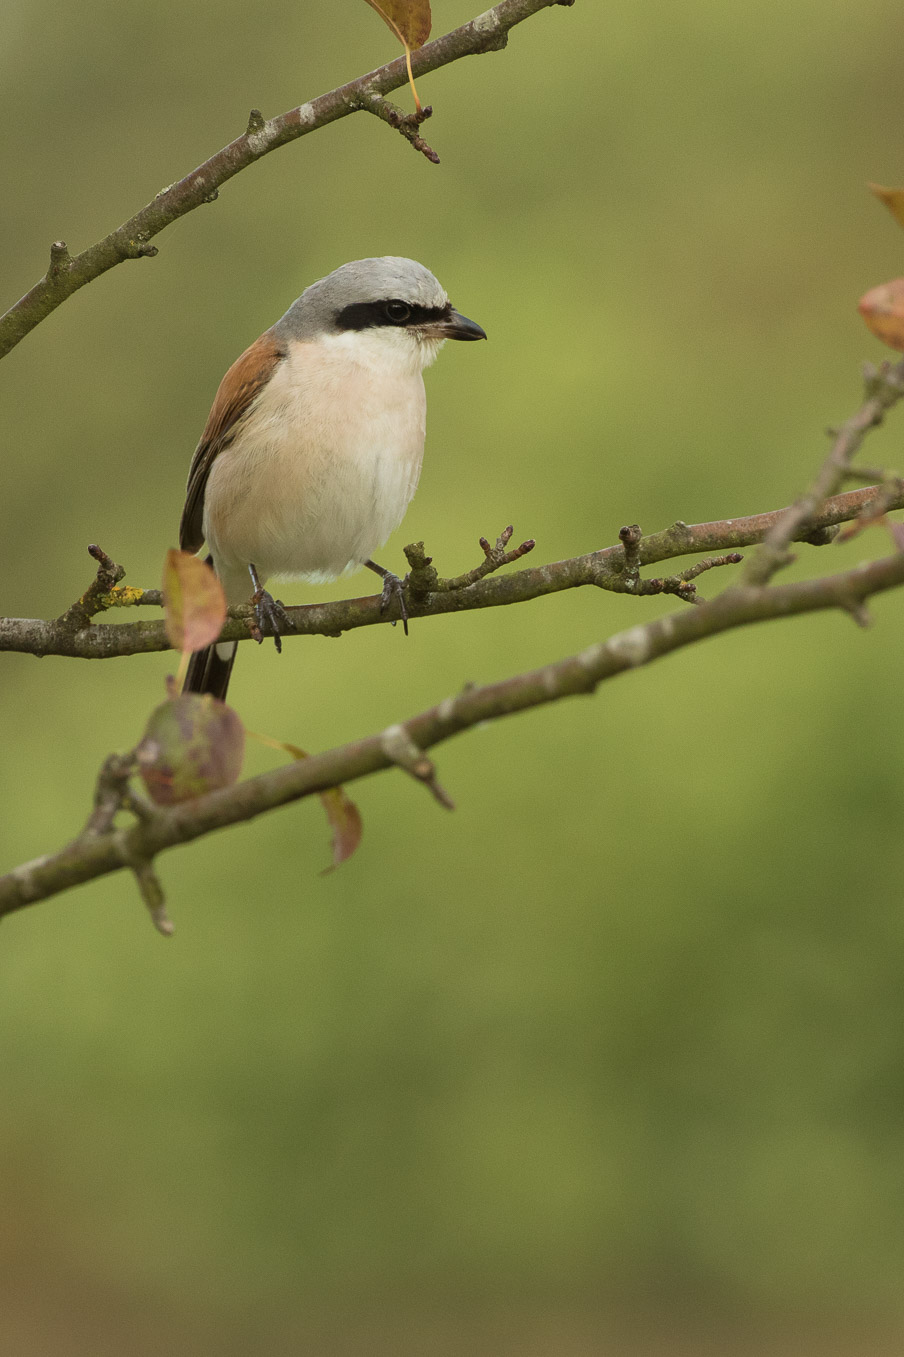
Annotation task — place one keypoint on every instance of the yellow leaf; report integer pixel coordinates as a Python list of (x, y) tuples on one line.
[(410, 21), (193, 601), (883, 310), (893, 198)]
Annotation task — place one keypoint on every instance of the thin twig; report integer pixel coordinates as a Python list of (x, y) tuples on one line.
[(406, 123), (424, 579), (92, 600), (398, 745), (110, 793), (487, 33)]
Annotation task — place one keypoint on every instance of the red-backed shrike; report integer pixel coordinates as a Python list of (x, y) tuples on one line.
[(313, 447)]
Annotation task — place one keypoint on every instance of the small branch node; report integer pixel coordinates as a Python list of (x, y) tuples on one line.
[(60, 259), (821, 537), (422, 576), (137, 247), (631, 537), (405, 123), (401, 750), (493, 40)]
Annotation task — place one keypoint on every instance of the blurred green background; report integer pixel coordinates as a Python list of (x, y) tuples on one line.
[(612, 1059)]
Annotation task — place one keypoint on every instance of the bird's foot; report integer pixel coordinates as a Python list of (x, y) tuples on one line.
[(270, 618), (393, 592)]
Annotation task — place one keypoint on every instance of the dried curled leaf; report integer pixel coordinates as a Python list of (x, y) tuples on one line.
[(193, 601), (193, 744), (883, 310), (893, 198), (410, 21), (345, 821), (342, 814)]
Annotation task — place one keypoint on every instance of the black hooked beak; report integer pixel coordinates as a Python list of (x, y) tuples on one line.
[(456, 326)]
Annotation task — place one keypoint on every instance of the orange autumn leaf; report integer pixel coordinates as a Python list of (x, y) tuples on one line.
[(883, 310), (410, 21), (893, 198), (193, 601)]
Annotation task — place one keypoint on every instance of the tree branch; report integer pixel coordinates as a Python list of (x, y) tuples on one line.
[(97, 852), (884, 387), (430, 596), (66, 274)]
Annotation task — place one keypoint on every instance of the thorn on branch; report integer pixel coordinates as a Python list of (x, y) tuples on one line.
[(108, 572), (60, 259), (95, 599), (399, 747), (151, 892), (857, 610), (111, 794), (406, 123)]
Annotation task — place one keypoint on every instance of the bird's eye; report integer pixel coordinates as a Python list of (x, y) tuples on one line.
[(397, 312)]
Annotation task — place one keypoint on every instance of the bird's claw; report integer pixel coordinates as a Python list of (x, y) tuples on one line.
[(394, 590), (270, 617)]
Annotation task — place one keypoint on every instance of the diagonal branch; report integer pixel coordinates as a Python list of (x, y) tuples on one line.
[(604, 569), (884, 387), (66, 273), (95, 854)]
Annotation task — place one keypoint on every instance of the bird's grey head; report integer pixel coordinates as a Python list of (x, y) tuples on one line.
[(381, 296)]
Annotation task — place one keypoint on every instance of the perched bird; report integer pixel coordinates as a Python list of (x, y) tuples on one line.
[(313, 447)]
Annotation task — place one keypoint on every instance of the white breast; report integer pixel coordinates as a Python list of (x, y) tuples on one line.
[(325, 463)]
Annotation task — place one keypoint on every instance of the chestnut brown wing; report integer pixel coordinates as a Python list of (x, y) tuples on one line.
[(238, 391)]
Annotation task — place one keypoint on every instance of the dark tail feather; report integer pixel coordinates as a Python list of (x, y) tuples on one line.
[(208, 672)]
